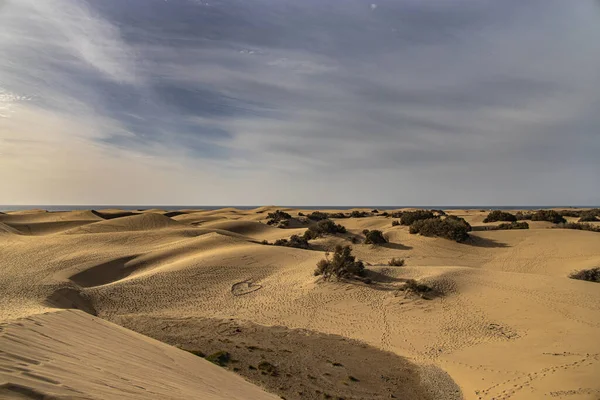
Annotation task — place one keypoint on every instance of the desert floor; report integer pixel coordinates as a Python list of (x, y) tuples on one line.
[(506, 321)]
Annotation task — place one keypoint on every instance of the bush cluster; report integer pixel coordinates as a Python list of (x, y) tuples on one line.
[(277, 217), (409, 217), (359, 214), (498, 215), (589, 216), (395, 223), (548, 215), (323, 228), (342, 265), (453, 228), (579, 226), (590, 275), (512, 225), (296, 241), (374, 237), (522, 216)]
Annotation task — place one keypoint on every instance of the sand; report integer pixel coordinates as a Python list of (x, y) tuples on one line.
[(506, 321)]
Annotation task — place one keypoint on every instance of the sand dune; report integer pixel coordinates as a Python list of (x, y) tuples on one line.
[(73, 355), (505, 321)]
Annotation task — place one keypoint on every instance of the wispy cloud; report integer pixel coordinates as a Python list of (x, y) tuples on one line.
[(338, 102)]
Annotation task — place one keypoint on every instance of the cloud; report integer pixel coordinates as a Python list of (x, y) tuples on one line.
[(462, 102)]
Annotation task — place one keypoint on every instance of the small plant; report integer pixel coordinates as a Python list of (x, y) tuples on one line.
[(343, 265), (323, 228), (453, 228), (548, 215), (374, 237), (590, 275), (375, 211), (265, 242), (301, 214), (395, 223), (295, 241), (277, 217), (337, 215), (396, 262), (385, 214), (220, 358), (498, 215), (397, 214), (414, 286), (408, 217)]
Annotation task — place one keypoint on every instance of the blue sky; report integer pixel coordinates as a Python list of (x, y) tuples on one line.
[(341, 102)]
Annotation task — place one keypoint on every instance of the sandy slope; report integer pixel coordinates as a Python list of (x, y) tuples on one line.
[(508, 325), (73, 355)]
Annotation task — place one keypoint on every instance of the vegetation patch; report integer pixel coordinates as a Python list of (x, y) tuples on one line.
[(322, 228), (409, 217), (453, 228), (359, 214), (278, 218), (549, 216), (395, 223), (589, 216), (299, 242), (579, 226), (590, 275), (498, 215), (374, 237), (267, 368), (342, 265), (513, 225), (221, 358)]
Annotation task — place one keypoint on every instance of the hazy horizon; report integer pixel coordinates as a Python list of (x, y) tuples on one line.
[(281, 102)]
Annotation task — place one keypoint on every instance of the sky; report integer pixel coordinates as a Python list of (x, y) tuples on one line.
[(312, 102)]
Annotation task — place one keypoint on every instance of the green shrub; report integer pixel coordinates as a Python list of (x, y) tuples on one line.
[(323, 228), (337, 215), (277, 217), (397, 214), (342, 265), (548, 215), (385, 214), (375, 237), (512, 225), (408, 217), (396, 262), (590, 275), (395, 223), (498, 215), (296, 241), (450, 228)]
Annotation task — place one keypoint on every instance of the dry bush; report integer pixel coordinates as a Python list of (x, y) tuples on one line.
[(295, 241), (498, 215), (342, 265), (590, 275), (548, 215), (396, 262), (408, 217), (452, 228), (278, 217), (374, 237), (322, 228)]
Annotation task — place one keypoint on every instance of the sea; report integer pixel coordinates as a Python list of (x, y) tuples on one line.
[(6, 208)]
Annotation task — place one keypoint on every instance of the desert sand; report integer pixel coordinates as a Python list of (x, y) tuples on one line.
[(506, 321)]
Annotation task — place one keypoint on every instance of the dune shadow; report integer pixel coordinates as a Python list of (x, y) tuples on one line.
[(396, 246), (104, 273), (113, 215), (478, 241)]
